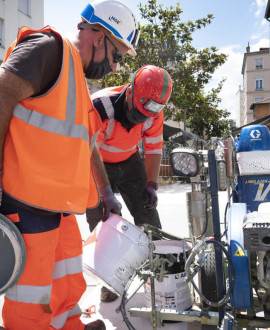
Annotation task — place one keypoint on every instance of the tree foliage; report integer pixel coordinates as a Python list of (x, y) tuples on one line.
[(166, 41)]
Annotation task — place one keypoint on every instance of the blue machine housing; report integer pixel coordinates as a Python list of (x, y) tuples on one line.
[(253, 189), (254, 137), (241, 293)]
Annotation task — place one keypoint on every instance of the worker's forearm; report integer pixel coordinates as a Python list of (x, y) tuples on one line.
[(99, 170), (152, 166)]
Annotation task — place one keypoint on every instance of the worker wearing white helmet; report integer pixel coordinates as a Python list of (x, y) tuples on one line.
[(47, 132), (119, 20), (117, 26)]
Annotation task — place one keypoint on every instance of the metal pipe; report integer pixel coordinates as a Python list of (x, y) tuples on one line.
[(152, 280)]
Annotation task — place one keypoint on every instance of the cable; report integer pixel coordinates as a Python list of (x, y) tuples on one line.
[(225, 220), (122, 309), (122, 306), (189, 276)]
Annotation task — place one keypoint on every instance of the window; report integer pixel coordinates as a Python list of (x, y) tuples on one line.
[(259, 83), (24, 6), (258, 63), (1, 32), (258, 99)]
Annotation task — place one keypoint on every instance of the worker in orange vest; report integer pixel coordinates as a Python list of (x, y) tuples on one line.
[(47, 136), (130, 114)]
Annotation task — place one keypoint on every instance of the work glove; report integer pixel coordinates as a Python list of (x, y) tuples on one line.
[(150, 196), (110, 202), (1, 172)]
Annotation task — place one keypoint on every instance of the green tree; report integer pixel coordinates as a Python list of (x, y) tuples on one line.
[(166, 41)]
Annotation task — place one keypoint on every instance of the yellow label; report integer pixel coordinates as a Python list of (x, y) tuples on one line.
[(239, 252)]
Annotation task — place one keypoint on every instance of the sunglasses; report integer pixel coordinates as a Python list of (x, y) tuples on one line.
[(117, 56)]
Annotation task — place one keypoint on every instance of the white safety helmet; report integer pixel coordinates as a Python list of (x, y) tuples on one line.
[(115, 17)]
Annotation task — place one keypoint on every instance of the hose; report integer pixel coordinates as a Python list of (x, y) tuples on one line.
[(225, 220), (157, 232), (189, 277), (122, 307)]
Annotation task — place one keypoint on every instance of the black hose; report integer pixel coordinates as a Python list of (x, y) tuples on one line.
[(122, 309), (225, 220)]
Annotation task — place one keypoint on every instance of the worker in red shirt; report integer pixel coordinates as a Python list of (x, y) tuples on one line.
[(130, 114)]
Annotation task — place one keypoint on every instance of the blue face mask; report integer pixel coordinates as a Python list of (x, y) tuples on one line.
[(134, 116)]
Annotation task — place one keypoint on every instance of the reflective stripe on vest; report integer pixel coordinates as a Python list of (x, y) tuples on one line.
[(114, 149), (59, 321), (108, 106), (68, 266), (148, 123), (30, 294), (154, 152), (49, 124), (154, 140)]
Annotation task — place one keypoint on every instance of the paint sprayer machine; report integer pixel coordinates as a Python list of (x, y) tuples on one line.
[(219, 276)]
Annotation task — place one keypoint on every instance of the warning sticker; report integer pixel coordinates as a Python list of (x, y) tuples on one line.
[(123, 272), (240, 252)]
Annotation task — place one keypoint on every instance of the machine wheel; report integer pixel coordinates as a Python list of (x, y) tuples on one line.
[(208, 278), (209, 284), (12, 254)]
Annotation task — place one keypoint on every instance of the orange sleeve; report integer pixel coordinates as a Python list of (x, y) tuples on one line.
[(153, 136)]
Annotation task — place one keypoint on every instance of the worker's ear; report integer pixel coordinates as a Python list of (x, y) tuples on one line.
[(98, 38), (129, 91)]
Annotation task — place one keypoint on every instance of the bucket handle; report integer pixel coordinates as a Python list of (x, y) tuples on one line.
[(141, 241)]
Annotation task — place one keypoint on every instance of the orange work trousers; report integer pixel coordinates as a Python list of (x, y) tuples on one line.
[(47, 294)]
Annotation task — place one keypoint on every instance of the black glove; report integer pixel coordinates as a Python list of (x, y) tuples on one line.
[(150, 196), (110, 202)]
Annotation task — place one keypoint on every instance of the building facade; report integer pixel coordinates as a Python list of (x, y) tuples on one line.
[(240, 106), (17, 13), (256, 83)]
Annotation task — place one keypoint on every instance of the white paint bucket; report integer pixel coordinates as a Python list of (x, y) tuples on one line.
[(173, 292), (114, 251)]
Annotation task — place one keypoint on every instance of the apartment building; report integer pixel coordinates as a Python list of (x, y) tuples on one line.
[(16, 13), (256, 85)]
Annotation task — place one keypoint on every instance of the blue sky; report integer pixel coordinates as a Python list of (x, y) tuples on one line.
[(236, 22)]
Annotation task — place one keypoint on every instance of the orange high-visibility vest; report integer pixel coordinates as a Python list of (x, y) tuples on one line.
[(47, 147)]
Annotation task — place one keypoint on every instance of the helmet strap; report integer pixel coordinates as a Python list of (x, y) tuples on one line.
[(133, 77)]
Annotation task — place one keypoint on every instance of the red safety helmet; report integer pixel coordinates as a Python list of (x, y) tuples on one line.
[(151, 89)]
